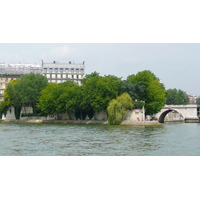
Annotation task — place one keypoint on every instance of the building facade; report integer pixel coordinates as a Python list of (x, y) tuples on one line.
[(9, 72), (55, 72), (60, 72), (192, 99)]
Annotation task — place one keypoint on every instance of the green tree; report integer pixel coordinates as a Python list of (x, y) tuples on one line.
[(60, 98), (70, 97), (148, 89), (48, 100), (29, 87), (125, 100), (156, 97), (12, 98), (3, 108), (198, 101), (176, 97), (87, 77), (117, 108), (99, 91), (24, 91), (134, 90), (115, 112)]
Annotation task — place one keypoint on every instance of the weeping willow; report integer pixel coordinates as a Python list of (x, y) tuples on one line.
[(117, 108)]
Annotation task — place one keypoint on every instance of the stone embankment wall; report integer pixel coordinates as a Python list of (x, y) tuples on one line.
[(10, 115), (131, 116)]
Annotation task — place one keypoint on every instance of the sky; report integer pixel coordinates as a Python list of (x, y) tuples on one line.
[(176, 64)]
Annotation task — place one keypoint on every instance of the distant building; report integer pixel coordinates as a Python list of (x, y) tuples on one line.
[(9, 72), (192, 99), (55, 72), (60, 72)]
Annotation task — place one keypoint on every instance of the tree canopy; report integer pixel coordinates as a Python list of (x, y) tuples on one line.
[(100, 90), (149, 89), (198, 101), (95, 94), (29, 87), (176, 97), (25, 91), (117, 108)]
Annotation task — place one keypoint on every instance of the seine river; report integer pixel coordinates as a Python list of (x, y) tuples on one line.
[(178, 139)]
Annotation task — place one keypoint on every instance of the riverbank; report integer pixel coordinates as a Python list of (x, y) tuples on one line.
[(38, 120)]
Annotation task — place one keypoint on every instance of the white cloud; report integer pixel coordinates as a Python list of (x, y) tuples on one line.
[(59, 53)]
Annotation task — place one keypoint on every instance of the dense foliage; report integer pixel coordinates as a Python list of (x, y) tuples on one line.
[(117, 108), (198, 101), (3, 109), (176, 97), (24, 91), (60, 98), (97, 93), (94, 95), (100, 90), (147, 88)]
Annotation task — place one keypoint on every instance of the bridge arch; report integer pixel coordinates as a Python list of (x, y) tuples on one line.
[(188, 112), (161, 118)]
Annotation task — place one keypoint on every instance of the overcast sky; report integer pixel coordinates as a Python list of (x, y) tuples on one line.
[(177, 65)]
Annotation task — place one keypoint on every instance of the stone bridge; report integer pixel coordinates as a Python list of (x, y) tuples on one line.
[(188, 112)]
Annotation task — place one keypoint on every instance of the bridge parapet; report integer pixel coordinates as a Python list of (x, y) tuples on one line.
[(188, 112), (180, 106)]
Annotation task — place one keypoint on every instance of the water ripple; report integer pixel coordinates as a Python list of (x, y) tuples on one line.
[(98, 140)]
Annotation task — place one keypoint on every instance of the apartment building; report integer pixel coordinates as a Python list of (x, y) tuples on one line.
[(60, 72), (55, 72), (9, 72)]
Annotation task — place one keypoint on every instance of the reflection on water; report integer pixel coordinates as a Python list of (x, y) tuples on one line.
[(99, 140)]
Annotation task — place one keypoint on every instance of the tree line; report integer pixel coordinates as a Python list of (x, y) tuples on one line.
[(97, 93)]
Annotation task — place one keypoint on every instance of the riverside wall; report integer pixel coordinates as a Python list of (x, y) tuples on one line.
[(131, 117)]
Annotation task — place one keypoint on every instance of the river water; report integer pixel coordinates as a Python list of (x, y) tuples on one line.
[(99, 140)]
